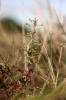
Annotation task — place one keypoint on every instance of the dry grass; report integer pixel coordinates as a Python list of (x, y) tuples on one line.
[(52, 67), (53, 50)]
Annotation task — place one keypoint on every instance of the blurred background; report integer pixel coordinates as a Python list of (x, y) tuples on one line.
[(41, 9)]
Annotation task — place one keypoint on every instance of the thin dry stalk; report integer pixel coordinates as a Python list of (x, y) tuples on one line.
[(58, 66), (23, 38), (50, 67), (59, 61), (47, 81)]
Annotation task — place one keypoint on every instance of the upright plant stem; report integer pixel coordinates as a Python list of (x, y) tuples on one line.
[(23, 38), (13, 42)]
